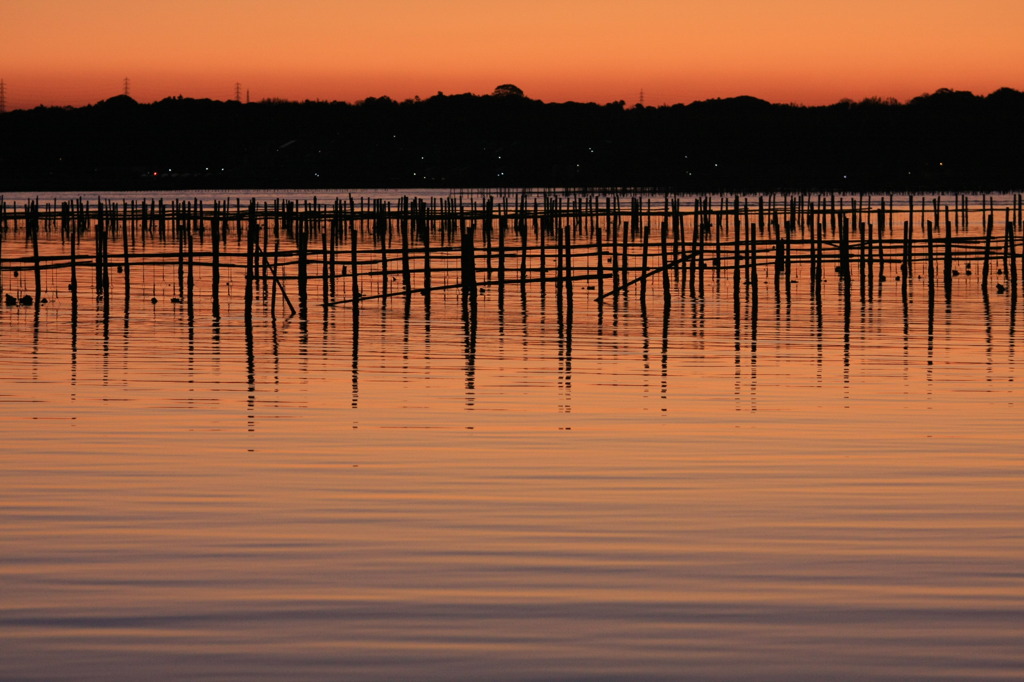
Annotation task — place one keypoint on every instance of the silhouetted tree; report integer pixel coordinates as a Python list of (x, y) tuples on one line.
[(508, 90), (944, 141)]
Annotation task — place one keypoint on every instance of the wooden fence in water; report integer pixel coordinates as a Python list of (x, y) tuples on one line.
[(349, 251)]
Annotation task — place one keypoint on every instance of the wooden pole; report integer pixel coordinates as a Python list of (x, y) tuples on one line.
[(947, 255), (989, 225), (468, 261), (382, 234), (32, 226), (403, 227), (126, 259), (646, 248), (627, 227), (73, 243), (252, 235), (502, 227), (1011, 252), (178, 215), (424, 230), (98, 243), (215, 248), (325, 272), (665, 279), (844, 247), (1018, 220), (567, 272), (737, 238), (190, 294), (354, 263), (613, 237), (3, 230), (302, 243)]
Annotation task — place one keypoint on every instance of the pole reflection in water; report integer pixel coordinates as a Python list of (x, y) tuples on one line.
[(666, 321), (847, 312), (1013, 316), (469, 326), (73, 378), (406, 322), (565, 321), (753, 341), (250, 366), (989, 342), (930, 353), (354, 392)]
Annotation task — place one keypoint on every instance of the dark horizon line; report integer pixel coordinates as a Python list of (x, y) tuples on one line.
[(845, 101)]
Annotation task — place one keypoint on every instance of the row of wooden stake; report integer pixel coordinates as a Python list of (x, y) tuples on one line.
[(384, 249)]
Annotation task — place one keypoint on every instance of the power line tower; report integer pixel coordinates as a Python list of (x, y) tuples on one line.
[(3, 97), (238, 92), (127, 83)]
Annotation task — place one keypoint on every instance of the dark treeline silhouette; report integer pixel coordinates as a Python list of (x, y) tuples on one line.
[(945, 140)]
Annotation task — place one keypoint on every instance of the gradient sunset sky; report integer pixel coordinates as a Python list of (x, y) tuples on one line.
[(76, 52)]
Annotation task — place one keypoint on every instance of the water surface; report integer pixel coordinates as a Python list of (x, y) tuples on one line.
[(790, 489)]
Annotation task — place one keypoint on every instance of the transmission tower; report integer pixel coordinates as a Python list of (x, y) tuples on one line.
[(127, 83), (3, 97), (238, 92)]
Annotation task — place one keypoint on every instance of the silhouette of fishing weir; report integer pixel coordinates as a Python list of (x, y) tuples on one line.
[(356, 252)]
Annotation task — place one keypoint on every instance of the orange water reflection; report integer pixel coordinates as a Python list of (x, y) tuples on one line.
[(788, 489)]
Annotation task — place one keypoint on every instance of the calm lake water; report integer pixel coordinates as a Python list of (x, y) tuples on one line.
[(790, 489)]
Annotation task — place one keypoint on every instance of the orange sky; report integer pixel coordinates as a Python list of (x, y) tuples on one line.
[(74, 52)]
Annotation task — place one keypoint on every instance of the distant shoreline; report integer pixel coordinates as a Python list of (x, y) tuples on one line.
[(946, 141)]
